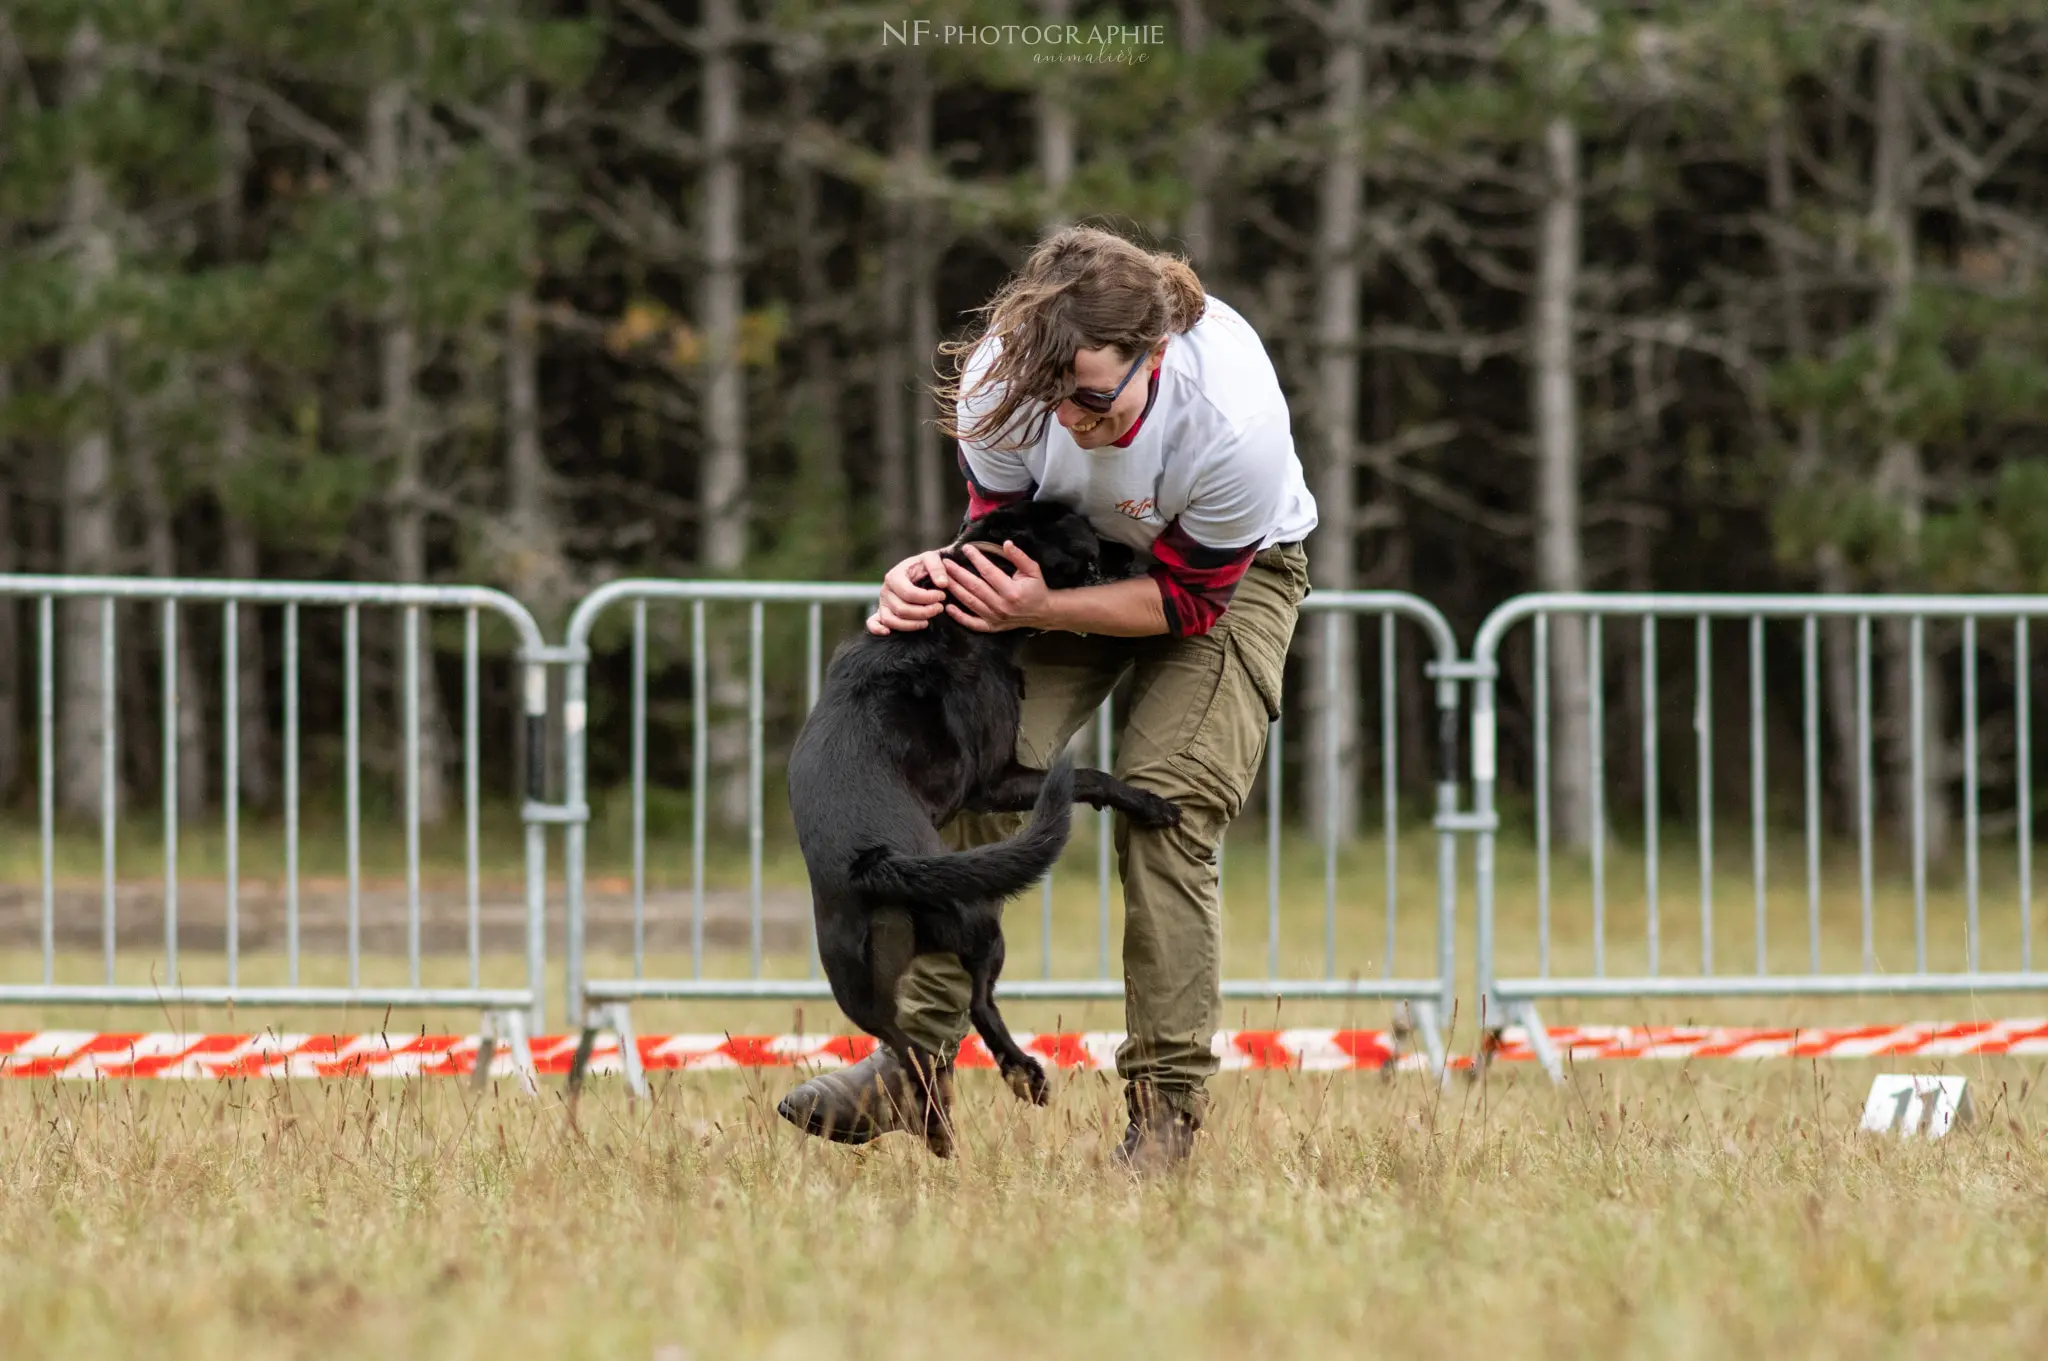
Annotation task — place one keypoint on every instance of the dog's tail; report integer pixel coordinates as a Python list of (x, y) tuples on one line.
[(995, 871)]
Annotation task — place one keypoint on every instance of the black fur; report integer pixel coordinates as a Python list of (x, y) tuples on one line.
[(908, 731)]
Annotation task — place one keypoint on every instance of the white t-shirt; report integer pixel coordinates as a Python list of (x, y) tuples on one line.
[(1214, 451)]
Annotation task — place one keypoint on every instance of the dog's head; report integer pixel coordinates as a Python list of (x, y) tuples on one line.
[(1055, 536)]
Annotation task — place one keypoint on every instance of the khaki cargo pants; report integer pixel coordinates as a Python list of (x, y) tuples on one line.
[(1194, 732)]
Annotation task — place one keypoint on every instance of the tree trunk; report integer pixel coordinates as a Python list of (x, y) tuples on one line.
[(539, 575), (723, 502), (1332, 641), (151, 467), (401, 421), (1900, 475), (1638, 552), (725, 465), (1838, 650), (242, 562), (1202, 149), (897, 473), (1055, 127), (11, 660), (1560, 554), (818, 439), (88, 494), (531, 561), (932, 474), (1394, 569)]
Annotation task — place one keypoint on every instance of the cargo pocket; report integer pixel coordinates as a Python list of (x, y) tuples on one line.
[(1264, 667), (1223, 750)]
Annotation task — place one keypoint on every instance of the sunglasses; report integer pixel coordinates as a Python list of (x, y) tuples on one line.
[(1089, 399)]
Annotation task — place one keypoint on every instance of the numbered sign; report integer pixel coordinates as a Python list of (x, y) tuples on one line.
[(1911, 1103)]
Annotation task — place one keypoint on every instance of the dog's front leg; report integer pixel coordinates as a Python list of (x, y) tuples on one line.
[(1015, 790)]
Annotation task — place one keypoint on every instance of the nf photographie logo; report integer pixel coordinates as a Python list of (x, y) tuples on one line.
[(1120, 44)]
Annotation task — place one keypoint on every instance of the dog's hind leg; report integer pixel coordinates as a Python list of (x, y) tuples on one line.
[(1015, 790), (1025, 1074), (895, 937)]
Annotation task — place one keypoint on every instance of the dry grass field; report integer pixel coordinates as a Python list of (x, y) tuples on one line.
[(1711, 1210)]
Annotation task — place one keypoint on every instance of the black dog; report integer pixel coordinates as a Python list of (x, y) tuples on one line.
[(908, 731)]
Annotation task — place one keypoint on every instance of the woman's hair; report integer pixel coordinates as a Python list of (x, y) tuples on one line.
[(1083, 288)]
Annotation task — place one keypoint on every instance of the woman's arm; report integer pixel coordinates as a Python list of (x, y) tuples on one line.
[(1022, 600), (1122, 609)]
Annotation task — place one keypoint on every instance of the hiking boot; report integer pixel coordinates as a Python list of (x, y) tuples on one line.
[(1161, 1133), (870, 1099)]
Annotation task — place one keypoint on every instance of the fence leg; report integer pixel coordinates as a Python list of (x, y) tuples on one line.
[(507, 1028), (629, 1050), (1539, 1039), (1422, 1023), (616, 1017)]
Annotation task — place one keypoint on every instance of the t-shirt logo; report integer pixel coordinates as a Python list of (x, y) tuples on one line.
[(1137, 510)]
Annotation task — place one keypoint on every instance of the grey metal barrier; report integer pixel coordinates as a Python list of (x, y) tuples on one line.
[(1567, 949), (510, 1013), (601, 1004)]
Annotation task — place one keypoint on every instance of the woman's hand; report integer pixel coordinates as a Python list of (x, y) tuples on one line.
[(1001, 601), (905, 605)]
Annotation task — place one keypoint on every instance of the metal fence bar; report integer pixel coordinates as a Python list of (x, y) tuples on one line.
[(412, 794), (1044, 927), (169, 972), (1390, 782), (1596, 765), (1332, 631), (1273, 737), (1651, 813), (170, 738), (1810, 720), (231, 783), (755, 772), (814, 681), (352, 765), (1105, 757), (1542, 723), (1756, 788), (1917, 670), (1703, 731), (109, 786), (2023, 778), (291, 793), (639, 757), (46, 704), (471, 855), (1906, 621), (1866, 870), (814, 652), (1970, 785), (700, 778)]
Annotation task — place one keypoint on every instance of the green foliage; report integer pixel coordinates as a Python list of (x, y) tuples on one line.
[(1996, 538)]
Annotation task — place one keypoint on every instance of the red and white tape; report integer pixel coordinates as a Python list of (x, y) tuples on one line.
[(85, 1054)]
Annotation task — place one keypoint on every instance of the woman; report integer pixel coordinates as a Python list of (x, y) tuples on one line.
[(1107, 380)]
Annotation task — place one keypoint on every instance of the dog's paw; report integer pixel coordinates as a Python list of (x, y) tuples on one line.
[(1028, 1081), (1153, 811)]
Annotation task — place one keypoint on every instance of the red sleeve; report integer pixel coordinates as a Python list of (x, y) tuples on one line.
[(1196, 581), (980, 500)]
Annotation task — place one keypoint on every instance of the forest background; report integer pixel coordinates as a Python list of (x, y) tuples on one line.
[(1737, 295)]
